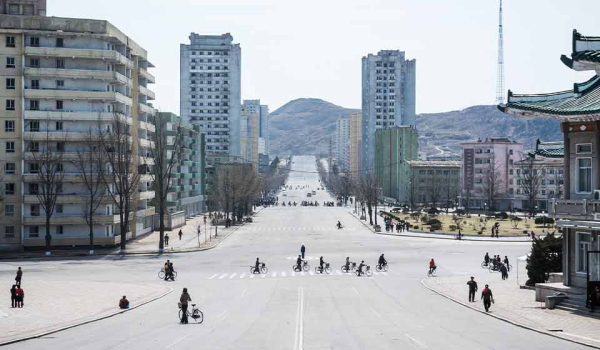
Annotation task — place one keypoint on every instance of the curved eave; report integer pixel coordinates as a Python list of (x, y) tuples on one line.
[(529, 112)]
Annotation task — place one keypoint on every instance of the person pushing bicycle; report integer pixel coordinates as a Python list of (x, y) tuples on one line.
[(185, 297)]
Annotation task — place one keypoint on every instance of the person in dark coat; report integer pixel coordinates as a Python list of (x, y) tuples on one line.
[(13, 296), (488, 298), (504, 271), (472, 289), (302, 250), (124, 303), (166, 239), (19, 275), (180, 234), (594, 298)]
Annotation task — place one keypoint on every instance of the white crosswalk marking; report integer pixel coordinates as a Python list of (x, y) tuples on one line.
[(302, 273), (338, 272), (375, 273), (293, 274), (283, 274), (264, 275), (252, 276), (242, 275), (311, 273), (383, 273), (274, 274), (232, 276), (213, 276), (222, 276)]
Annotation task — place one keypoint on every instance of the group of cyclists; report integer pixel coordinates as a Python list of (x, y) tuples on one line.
[(496, 262)]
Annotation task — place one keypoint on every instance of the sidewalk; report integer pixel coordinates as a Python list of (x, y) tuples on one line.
[(51, 306), (518, 306), (442, 235)]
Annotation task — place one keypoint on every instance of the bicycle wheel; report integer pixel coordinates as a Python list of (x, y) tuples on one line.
[(161, 274), (328, 270), (491, 270), (180, 314), (174, 274), (378, 268), (264, 269), (306, 267), (251, 269), (197, 316), (343, 269), (317, 269), (483, 265), (368, 272), (385, 268), (509, 267)]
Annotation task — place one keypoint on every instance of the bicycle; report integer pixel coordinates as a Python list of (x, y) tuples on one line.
[(431, 272), (367, 271), (161, 274), (195, 314), (326, 269), (352, 267), (381, 267), (304, 267), (263, 269), (485, 265)]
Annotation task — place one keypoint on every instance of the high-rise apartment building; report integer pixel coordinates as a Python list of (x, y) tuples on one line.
[(341, 143), (254, 106), (210, 72), (355, 144), (249, 139), (388, 96), (61, 78)]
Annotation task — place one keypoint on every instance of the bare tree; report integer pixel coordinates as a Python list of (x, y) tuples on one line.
[(166, 152), (434, 188), (491, 182), (90, 164), (122, 176), (450, 188), (411, 188), (47, 150), (369, 193), (341, 186), (529, 179)]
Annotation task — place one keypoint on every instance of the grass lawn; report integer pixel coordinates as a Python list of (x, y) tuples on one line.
[(472, 224)]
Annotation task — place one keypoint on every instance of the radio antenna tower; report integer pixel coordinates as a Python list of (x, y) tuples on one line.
[(500, 72)]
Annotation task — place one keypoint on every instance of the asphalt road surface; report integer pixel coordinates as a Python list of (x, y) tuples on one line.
[(285, 310)]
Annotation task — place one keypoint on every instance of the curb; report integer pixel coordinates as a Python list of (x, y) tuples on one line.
[(503, 319), (436, 236), (85, 322)]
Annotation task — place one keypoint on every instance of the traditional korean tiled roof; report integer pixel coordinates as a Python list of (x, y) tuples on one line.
[(585, 54), (549, 153), (582, 101)]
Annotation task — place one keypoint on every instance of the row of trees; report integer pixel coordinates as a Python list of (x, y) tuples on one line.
[(105, 165)]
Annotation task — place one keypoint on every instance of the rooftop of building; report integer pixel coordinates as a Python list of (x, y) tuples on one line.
[(434, 163), (211, 40), (585, 52), (490, 141)]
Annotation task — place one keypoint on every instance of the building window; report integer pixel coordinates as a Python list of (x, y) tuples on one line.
[(9, 210), (584, 148), (9, 231), (9, 168), (34, 41), (10, 83), (34, 105), (59, 105), (35, 210), (59, 208), (34, 231), (10, 62), (9, 189), (34, 126), (60, 63), (34, 168), (59, 230), (35, 84), (60, 146), (34, 63), (60, 83), (584, 175), (10, 41), (10, 147), (59, 126), (9, 126), (584, 242), (10, 105), (60, 42)]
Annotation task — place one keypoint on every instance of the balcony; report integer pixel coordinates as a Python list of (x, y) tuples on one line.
[(53, 73), (69, 199), (146, 195), (147, 92), (145, 212), (144, 108), (75, 219), (53, 94), (146, 143), (576, 210), (146, 75), (55, 136), (105, 55), (73, 116), (147, 126)]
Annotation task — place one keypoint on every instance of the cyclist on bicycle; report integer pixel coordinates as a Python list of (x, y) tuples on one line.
[(169, 272), (257, 266), (166, 269), (185, 297), (321, 263), (347, 263), (432, 266), (299, 263), (360, 271), (382, 262), (339, 225)]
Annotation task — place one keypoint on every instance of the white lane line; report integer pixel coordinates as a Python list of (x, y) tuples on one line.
[(383, 273), (244, 293), (252, 276), (178, 340), (414, 341), (264, 275), (311, 273), (213, 276), (338, 272), (299, 336), (232, 276), (222, 276), (375, 273), (274, 274), (3, 314), (302, 273), (293, 274), (242, 275), (355, 291), (283, 274)]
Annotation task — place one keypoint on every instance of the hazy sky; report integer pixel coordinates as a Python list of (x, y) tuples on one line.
[(293, 49)]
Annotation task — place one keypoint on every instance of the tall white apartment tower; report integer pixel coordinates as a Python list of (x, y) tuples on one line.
[(254, 106), (342, 143), (388, 96), (210, 71)]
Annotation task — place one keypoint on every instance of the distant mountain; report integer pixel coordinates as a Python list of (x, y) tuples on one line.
[(303, 126)]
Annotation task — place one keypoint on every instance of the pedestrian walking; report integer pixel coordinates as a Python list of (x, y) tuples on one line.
[(504, 271), (19, 275), (302, 250), (166, 239), (183, 300), (180, 234), (472, 289), (205, 220), (594, 298), (488, 297), (20, 294), (506, 263), (13, 296)]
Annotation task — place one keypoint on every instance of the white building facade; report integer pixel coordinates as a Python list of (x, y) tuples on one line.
[(341, 143), (210, 84), (254, 106), (388, 96)]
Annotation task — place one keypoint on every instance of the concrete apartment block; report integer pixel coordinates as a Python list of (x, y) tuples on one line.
[(355, 145), (254, 106), (61, 77), (388, 96), (210, 73)]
